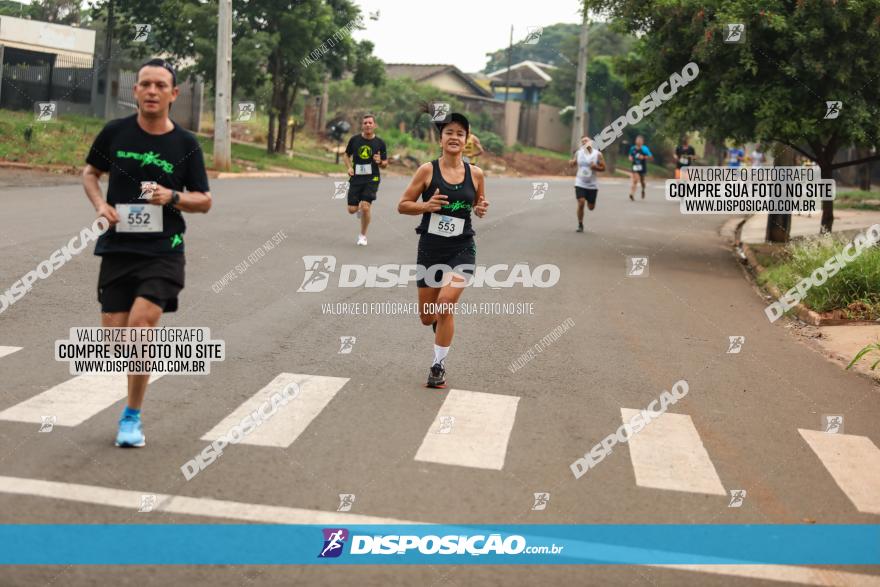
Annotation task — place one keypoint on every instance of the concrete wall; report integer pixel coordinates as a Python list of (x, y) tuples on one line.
[(511, 122), (551, 133), (36, 35)]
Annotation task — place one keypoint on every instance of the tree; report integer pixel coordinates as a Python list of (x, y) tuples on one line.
[(797, 55), (291, 44), (58, 11)]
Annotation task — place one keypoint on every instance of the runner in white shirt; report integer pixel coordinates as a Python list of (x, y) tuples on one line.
[(586, 187)]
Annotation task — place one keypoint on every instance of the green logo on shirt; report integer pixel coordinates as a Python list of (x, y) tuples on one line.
[(149, 158), (176, 240), (458, 205), (365, 152)]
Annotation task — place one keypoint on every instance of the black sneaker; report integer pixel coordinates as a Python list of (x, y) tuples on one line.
[(437, 377), (580, 228)]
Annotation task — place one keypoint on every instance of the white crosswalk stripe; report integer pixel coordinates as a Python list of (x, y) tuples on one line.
[(8, 350), (669, 454), (854, 464), (472, 429), (285, 425), (72, 402)]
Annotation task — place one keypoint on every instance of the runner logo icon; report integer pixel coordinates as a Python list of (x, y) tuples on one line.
[(541, 501), (735, 344), (439, 111), (46, 111), (539, 189), (833, 424), (737, 496), (318, 270), (340, 190), (734, 33), (637, 267), (346, 500), (334, 541), (47, 423), (832, 109), (141, 32), (346, 344)]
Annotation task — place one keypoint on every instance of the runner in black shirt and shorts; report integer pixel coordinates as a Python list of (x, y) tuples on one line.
[(684, 156), (364, 155), (449, 190), (151, 161)]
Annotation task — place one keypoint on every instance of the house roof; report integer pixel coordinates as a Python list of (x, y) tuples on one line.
[(524, 74), (423, 72)]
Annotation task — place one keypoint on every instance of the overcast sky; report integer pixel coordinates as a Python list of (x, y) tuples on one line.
[(459, 32)]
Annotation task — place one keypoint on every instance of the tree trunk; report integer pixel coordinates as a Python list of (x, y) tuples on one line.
[(611, 155), (779, 225), (283, 112), (865, 170), (271, 134), (827, 205), (273, 102)]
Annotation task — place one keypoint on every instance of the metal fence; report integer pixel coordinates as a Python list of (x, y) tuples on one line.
[(31, 76)]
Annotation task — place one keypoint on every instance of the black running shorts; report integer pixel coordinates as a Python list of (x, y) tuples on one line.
[(125, 276), (588, 193), (433, 252), (362, 192)]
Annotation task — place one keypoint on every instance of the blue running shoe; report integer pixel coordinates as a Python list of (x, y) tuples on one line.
[(130, 433)]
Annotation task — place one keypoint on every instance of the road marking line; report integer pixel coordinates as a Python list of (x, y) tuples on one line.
[(479, 434), (668, 454), (269, 514), (8, 350), (285, 425), (179, 504), (854, 464), (73, 401)]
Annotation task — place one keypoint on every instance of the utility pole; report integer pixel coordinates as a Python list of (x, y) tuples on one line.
[(509, 58), (580, 86), (223, 93), (109, 72)]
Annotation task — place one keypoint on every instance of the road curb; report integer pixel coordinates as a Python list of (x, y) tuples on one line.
[(805, 314), (61, 169)]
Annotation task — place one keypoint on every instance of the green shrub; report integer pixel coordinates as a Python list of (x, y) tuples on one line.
[(857, 284), (491, 142)]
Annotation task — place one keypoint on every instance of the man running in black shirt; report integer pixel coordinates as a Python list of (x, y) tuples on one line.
[(684, 156), (364, 155), (151, 161)]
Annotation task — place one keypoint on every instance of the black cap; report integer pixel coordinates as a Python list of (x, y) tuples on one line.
[(455, 117)]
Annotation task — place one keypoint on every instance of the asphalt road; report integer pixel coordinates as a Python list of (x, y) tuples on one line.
[(632, 338)]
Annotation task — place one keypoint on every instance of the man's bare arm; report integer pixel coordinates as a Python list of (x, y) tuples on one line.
[(90, 178)]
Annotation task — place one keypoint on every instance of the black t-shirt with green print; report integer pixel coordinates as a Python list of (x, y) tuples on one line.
[(131, 155), (361, 151)]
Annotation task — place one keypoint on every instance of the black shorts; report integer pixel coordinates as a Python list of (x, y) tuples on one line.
[(433, 252), (125, 276), (362, 192), (642, 172), (588, 193)]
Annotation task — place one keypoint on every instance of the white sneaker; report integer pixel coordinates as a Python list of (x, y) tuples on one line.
[(362, 240)]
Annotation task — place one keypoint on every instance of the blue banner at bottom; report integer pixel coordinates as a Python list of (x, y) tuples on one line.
[(257, 544)]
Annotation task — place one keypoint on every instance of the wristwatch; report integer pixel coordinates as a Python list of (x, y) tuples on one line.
[(175, 198)]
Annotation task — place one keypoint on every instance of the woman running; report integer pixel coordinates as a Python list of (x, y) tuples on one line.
[(449, 190), (639, 154), (586, 187)]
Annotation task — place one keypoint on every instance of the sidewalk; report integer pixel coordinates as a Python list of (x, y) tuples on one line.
[(755, 228), (840, 343)]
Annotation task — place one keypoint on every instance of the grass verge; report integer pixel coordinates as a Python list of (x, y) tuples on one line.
[(854, 290)]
